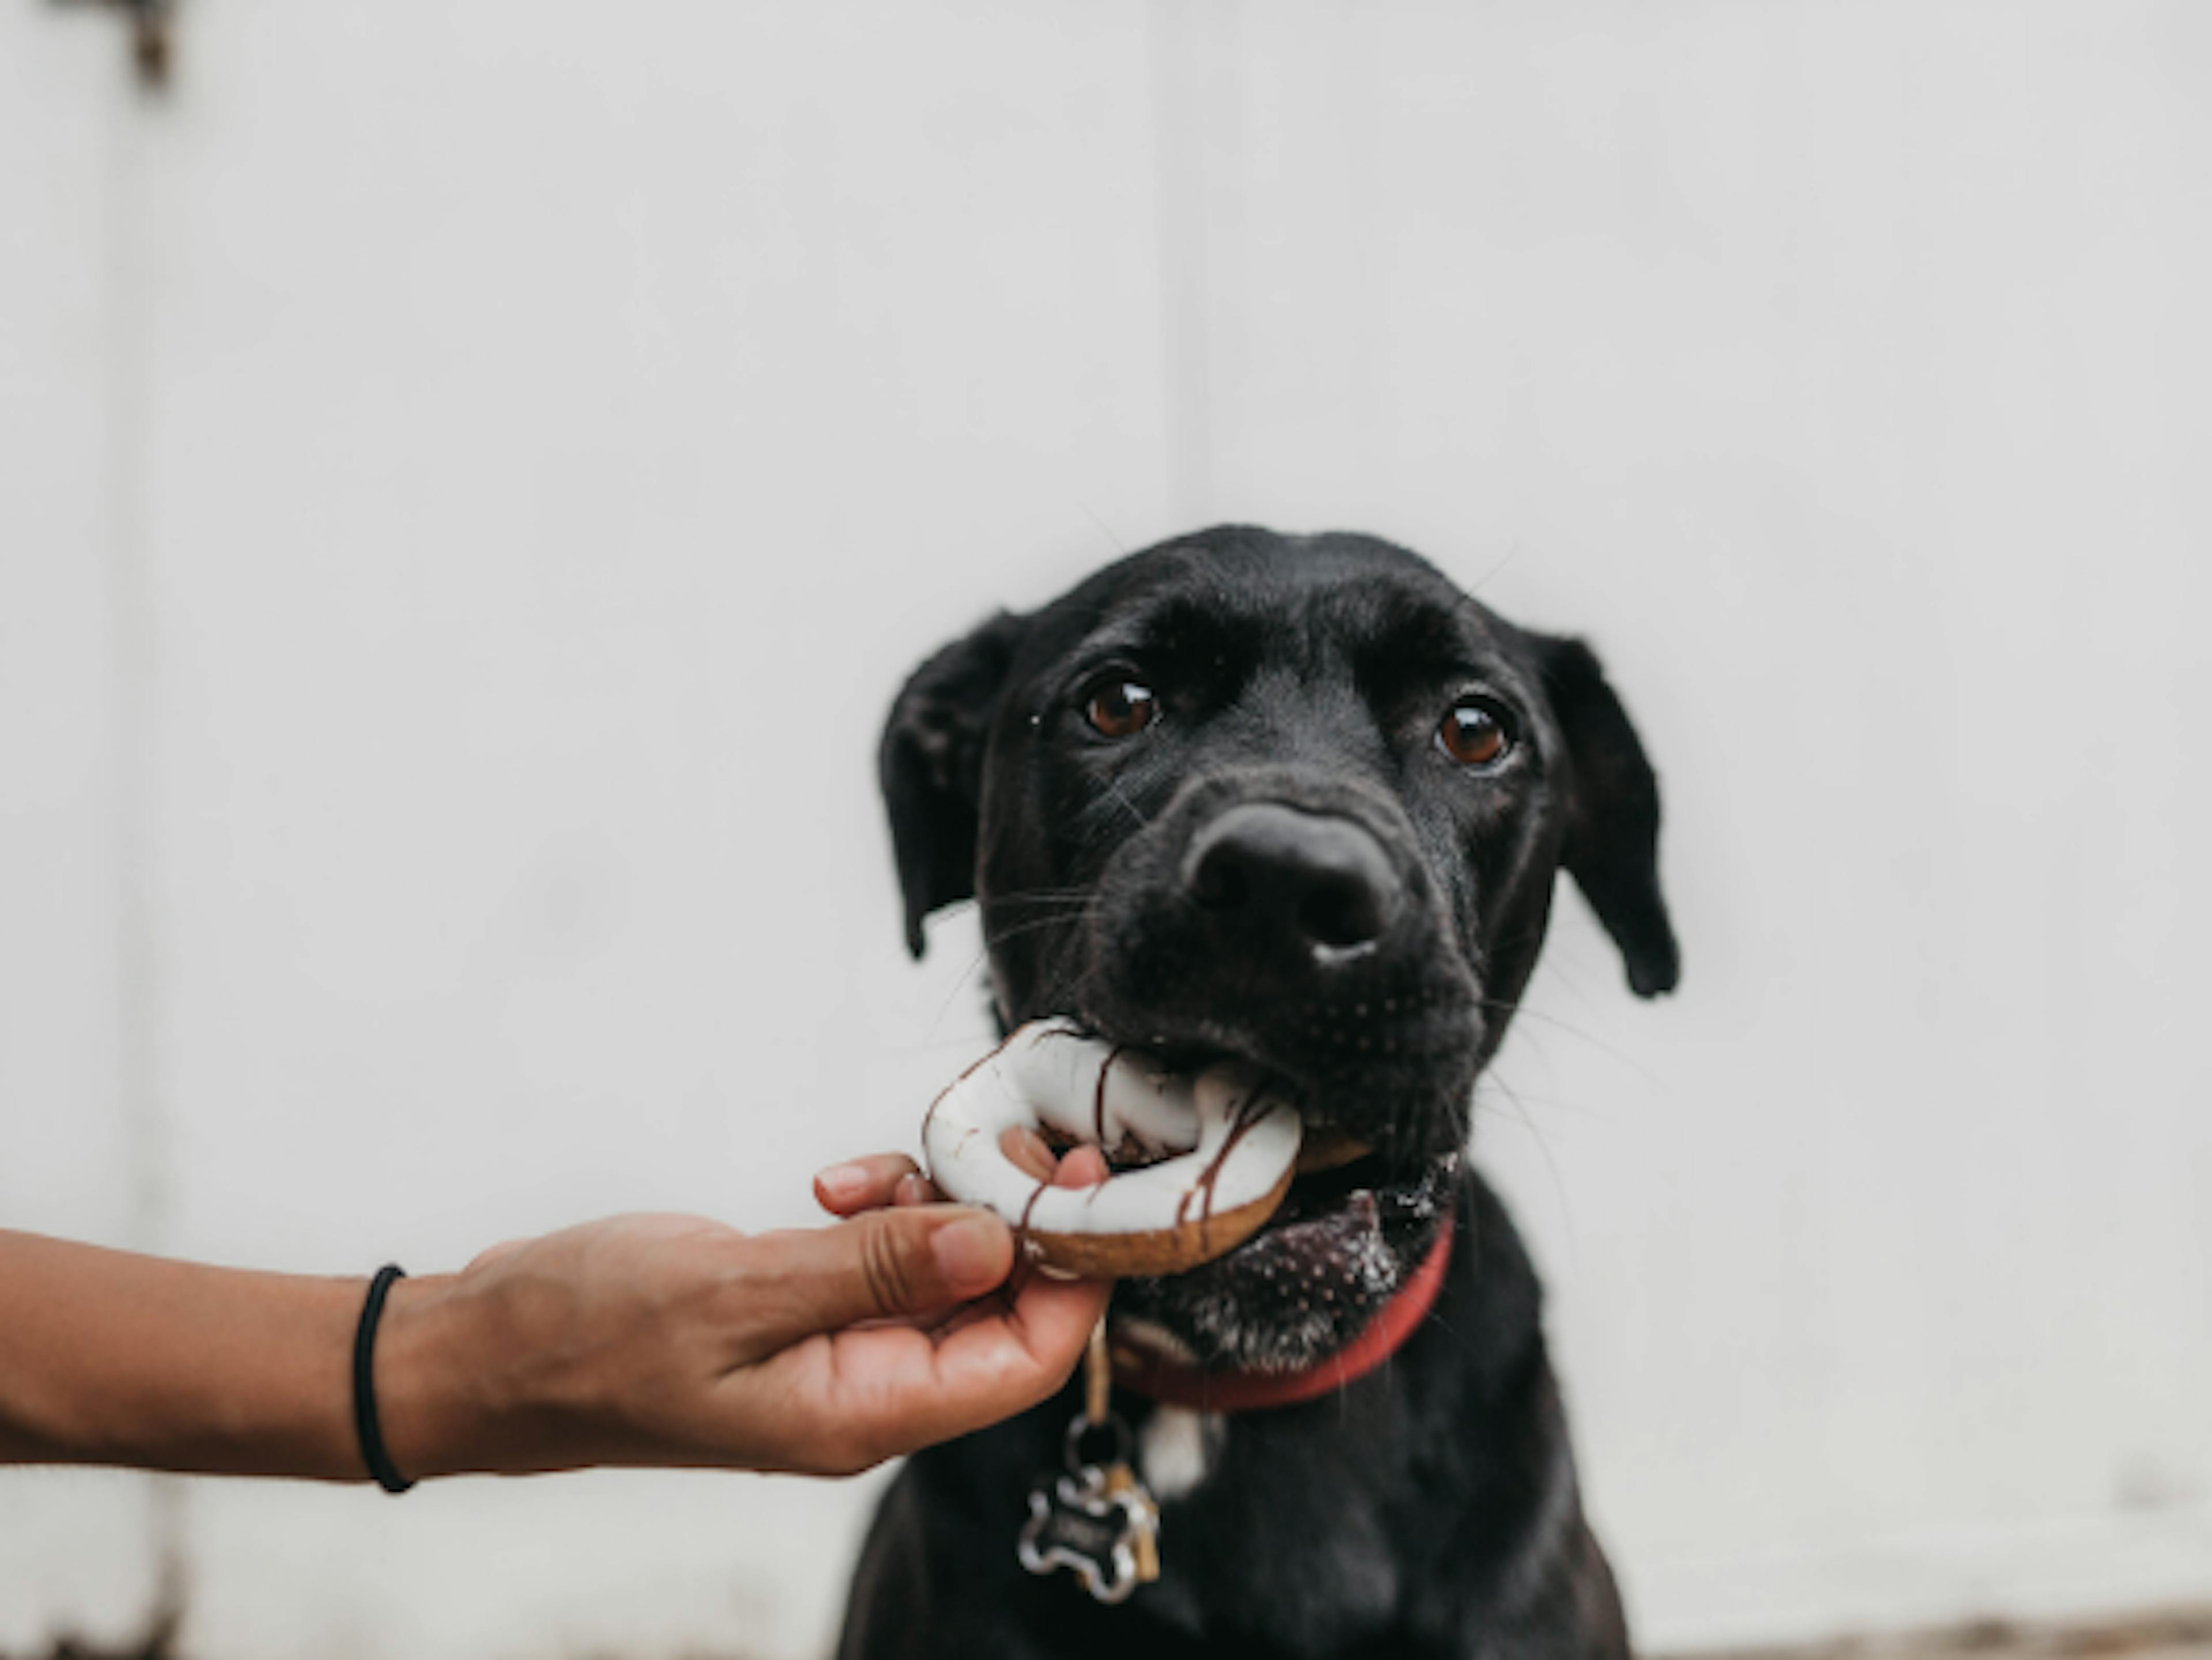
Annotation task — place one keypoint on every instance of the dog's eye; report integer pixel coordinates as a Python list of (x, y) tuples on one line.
[(1121, 709), (1473, 734)]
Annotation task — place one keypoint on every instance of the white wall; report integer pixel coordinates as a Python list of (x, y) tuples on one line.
[(471, 478), (73, 1076)]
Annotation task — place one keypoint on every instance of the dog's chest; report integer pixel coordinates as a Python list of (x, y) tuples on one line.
[(1280, 1538)]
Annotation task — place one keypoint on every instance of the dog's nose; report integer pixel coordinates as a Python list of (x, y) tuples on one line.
[(1264, 870)]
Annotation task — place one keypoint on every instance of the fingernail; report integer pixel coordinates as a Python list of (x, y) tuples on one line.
[(968, 1254), (841, 1179)]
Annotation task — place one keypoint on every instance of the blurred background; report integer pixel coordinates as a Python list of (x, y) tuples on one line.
[(471, 478)]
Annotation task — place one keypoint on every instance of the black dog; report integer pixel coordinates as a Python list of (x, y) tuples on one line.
[(1302, 801)]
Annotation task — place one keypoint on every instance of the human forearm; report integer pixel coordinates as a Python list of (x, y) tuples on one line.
[(636, 1340), (106, 1356)]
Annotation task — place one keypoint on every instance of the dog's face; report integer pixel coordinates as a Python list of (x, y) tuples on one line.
[(1296, 800)]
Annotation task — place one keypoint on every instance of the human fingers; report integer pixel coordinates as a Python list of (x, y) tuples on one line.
[(892, 1178), (882, 1264), (1084, 1167), (1028, 1152), (863, 1184), (856, 1397)]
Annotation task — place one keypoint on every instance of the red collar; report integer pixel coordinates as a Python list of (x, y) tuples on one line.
[(1173, 1383)]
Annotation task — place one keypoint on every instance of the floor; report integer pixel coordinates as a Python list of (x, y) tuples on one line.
[(2171, 1634)]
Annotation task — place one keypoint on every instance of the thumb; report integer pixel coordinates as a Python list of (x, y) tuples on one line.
[(911, 1259)]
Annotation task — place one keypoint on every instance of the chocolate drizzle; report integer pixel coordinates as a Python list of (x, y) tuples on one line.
[(974, 1067), (1210, 1178), (1022, 1227), (1099, 1097)]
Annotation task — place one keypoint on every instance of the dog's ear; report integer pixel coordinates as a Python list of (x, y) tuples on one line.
[(931, 767), (1613, 815)]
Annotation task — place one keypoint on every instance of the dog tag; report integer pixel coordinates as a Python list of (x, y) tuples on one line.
[(1107, 1538), (1096, 1520)]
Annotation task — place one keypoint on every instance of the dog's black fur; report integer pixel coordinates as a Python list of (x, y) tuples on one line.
[(1286, 864)]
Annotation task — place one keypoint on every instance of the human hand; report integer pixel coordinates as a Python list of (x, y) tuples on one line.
[(676, 1340)]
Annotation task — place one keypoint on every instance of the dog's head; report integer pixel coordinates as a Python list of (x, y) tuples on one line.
[(1296, 800)]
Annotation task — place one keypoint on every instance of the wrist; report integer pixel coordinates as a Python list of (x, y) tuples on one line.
[(429, 1380)]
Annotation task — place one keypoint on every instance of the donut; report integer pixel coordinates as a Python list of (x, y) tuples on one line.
[(1202, 1160)]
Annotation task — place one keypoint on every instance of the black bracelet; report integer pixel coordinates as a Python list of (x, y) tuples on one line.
[(364, 1383)]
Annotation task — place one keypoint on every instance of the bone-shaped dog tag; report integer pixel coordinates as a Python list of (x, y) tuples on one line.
[(1097, 1519), (1103, 1530)]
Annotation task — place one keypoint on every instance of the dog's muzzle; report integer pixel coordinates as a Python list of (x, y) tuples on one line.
[(1291, 923), (1283, 885)]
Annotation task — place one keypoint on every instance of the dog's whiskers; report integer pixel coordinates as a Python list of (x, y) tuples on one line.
[(1543, 1148), (1022, 895), (1521, 1011), (1030, 924), (967, 979)]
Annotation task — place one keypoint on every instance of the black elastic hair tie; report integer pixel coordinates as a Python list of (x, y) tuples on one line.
[(364, 1383)]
